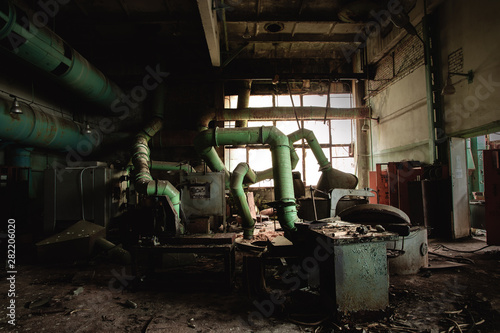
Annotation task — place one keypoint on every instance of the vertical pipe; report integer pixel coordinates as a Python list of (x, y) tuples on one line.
[(240, 173), (243, 100)]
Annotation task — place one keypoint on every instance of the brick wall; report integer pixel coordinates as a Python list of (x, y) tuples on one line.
[(403, 59)]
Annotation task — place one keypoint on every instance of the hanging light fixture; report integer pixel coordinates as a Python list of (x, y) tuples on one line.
[(88, 129), (365, 128), (16, 107), (449, 89), (246, 34)]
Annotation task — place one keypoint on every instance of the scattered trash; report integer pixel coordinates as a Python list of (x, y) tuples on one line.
[(74, 311), (129, 304), (191, 323), (38, 303), (77, 291), (362, 230), (379, 228)]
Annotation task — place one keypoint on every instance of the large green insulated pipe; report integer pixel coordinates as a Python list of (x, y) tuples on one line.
[(240, 173), (170, 166), (35, 128), (280, 151), (47, 51), (144, 182), (330, 178)]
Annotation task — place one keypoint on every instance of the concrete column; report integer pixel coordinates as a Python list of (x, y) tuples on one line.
[(362, 146), (243, 100)]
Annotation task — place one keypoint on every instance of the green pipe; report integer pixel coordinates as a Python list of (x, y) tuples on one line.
[(144, 182), (313, 143), (268, 173), (238, 176), (170, 166), (47, 51), (36, 128), (280, 151), (164, 166), (330, 178)]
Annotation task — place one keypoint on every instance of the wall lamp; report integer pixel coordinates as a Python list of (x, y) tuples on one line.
[(16, 107), (366, 127), (449, 89)]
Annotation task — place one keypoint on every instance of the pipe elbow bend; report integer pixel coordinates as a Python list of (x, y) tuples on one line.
[(274, 137), (203, 141)]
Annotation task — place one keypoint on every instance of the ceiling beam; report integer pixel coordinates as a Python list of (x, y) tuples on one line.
[(211, 29), (247, 75), (317, 38)]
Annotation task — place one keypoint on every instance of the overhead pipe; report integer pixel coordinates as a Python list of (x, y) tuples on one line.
[(282, 113), (35, 128), (280, 151), (240, 173), (50, 53)]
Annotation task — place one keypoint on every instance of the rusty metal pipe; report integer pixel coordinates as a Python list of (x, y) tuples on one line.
[(36, 128), (282, 113)]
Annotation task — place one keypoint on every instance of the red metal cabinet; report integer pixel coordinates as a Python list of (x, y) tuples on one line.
[(491, 160)]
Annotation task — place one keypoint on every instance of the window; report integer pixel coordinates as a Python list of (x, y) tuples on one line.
[(334, 136)]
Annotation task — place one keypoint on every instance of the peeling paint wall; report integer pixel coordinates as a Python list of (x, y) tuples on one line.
[(473, 27), (402, 133)]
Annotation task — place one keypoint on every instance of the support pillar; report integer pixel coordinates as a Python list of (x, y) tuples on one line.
[(362, 146)]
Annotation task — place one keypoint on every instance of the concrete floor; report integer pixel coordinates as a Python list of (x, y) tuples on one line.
[(99, 297)]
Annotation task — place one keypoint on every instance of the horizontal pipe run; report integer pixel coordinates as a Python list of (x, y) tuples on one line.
[(47, 51), (303, 113), (170, 166), (35, 128), (283, 113)]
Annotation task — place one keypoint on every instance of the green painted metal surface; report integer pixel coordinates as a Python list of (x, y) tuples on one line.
[(170, 166), (240, 172), (47, 51), (144, 182), (37, 129), (280, 152)]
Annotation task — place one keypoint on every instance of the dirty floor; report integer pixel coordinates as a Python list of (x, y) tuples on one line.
[(100, 297)]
